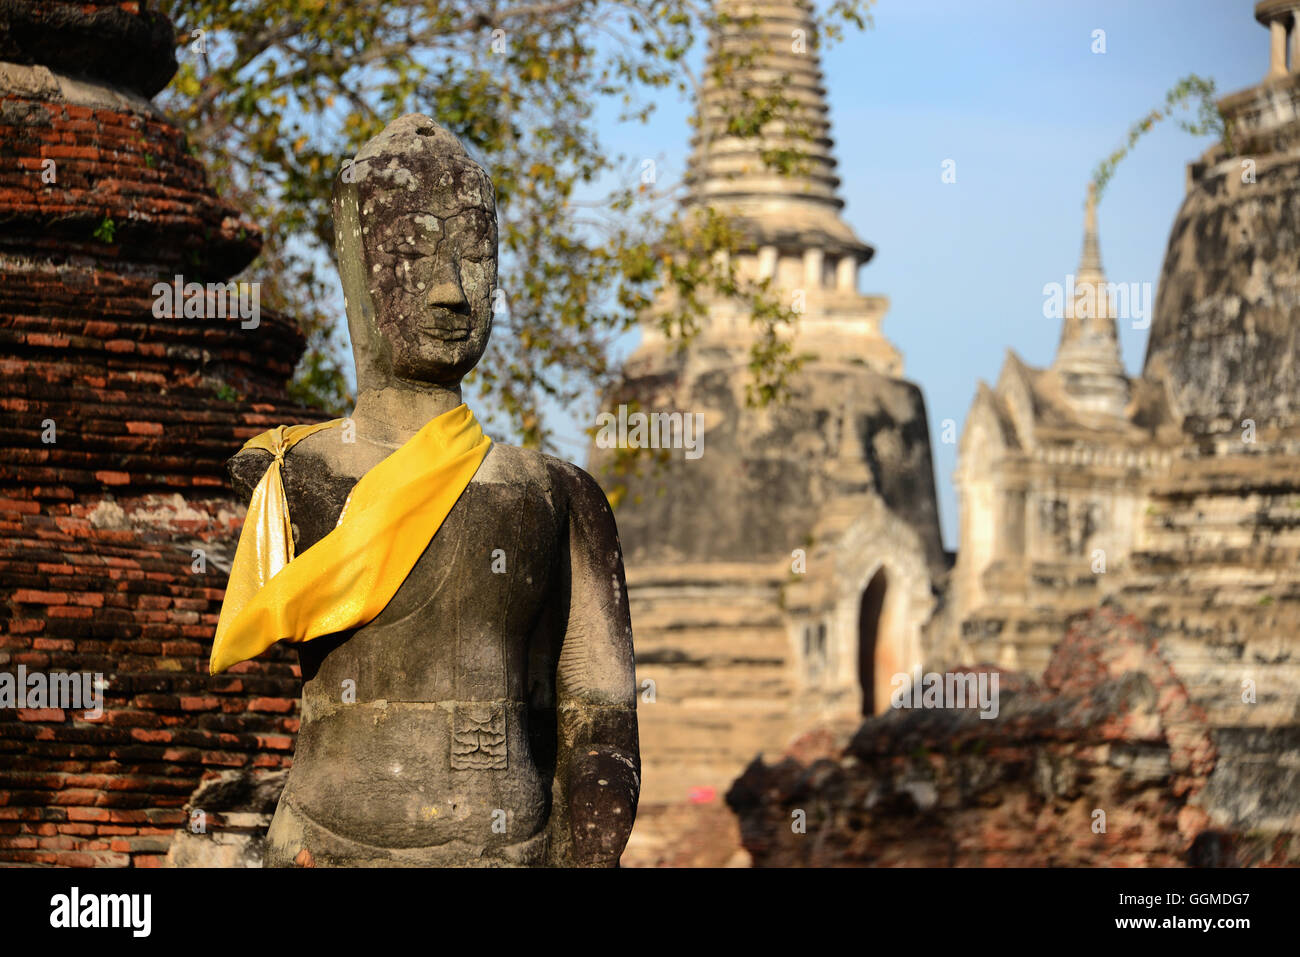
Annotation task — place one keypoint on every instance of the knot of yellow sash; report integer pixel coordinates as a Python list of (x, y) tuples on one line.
[(346, 578)]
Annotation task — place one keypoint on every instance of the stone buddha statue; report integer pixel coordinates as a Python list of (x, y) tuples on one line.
[(487, 716)]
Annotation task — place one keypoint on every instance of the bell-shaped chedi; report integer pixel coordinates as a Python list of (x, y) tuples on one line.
[(1225, 337), (781, 559), (124, 392), (853, 423)]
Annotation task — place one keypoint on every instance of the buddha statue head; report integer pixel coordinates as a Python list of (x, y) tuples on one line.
[(416, 235)]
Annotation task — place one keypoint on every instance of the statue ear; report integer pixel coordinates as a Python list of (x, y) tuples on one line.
[(370, 349)]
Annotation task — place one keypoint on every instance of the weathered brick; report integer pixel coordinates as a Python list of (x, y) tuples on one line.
[(275, 705), (97, 527)]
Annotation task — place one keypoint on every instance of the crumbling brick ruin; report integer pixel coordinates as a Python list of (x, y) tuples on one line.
[(1104, 761), (116, 520)]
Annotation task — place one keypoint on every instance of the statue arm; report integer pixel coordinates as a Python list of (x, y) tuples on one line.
[(598, 764)]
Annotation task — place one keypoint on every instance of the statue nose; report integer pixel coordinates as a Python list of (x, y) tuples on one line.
[(446, 293)]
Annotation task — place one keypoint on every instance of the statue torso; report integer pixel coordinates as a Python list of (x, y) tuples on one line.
[(436, 720)]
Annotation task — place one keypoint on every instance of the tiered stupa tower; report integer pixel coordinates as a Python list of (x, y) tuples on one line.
[(791, 218), (749, 567), (117, 523)]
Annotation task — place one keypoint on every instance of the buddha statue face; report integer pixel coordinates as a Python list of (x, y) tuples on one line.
[(416, 233)]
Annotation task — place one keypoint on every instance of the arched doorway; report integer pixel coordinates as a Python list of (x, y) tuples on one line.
[(869, 615)]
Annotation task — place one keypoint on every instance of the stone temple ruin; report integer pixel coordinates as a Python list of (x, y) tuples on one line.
[(1174, 499), (1127, 564), (737, 649), (1052, 464)]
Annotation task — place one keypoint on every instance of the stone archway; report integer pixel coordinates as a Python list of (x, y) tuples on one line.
[(884, 601), (870, 611), (875, 603)]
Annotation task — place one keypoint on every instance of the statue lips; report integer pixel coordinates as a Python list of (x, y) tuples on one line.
[(448, 325), (444, 332)]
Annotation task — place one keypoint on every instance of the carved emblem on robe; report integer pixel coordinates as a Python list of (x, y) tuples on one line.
[(478, 737)]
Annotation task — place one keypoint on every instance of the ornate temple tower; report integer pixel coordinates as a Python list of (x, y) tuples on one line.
[(792, 218), (117, 523), (780, 578), (1181, 509), (1050, 478)]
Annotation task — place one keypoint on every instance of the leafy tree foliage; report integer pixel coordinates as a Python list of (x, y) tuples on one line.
[(275, 95), (1190, 90)]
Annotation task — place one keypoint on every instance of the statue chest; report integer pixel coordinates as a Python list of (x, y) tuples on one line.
[(473, 615)]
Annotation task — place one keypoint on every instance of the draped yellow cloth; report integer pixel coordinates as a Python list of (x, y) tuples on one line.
[(346, 578)]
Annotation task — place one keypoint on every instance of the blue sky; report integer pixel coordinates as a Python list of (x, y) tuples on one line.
[(1012, 92)]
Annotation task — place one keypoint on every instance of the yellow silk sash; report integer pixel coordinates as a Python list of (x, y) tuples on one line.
[(346, 578)]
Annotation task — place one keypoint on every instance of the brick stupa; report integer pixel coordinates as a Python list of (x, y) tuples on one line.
[(116, 520)]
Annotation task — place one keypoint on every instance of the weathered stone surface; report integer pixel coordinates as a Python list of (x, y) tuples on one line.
[(226, 821), (766, 475), (1225, 336), (486, 717)]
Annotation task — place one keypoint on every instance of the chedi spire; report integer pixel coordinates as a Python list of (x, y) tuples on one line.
[(762, 157), (764, 54), (1088, 359)]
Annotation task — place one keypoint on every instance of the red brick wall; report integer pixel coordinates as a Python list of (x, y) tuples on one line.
[(98, 528), (124, 602)]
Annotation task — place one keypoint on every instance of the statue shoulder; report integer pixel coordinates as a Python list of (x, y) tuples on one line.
[(246, 468), (568, 485), (581, 489)]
